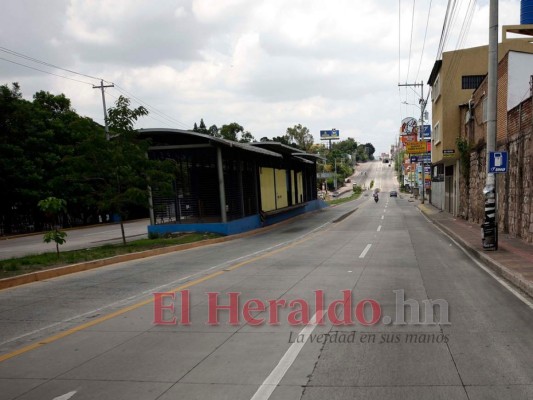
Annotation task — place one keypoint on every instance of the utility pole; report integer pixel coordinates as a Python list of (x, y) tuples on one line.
[(422, 103), (102, 86), (490, 224)]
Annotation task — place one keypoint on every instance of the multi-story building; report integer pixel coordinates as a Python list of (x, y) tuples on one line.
[(453, 80)]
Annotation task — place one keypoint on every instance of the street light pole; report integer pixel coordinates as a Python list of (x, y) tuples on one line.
[(490, 222)]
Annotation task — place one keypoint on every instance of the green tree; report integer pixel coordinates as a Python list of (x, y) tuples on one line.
[(301, 136), (213, 131), (370, 150), (231, 131), (202, 128), (246, 137), (52, 207), (285, 139), (119, 170)]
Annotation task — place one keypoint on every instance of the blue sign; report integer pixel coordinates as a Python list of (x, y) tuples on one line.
[(426, 132), (497, 162), (414, 159), (329, 134)]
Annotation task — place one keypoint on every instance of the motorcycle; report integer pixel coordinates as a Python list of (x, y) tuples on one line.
[(376, 198)]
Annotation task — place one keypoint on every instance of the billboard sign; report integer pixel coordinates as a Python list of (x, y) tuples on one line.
[(416, 147), (332, 134), (408, 138), (409, 126)]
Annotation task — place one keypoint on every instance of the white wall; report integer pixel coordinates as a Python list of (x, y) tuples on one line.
[(437, 194), (520, 69)]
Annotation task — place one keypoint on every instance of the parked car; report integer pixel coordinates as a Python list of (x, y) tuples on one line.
[(393, 193)]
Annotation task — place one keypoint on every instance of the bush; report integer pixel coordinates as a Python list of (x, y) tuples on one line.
[(153, 235)]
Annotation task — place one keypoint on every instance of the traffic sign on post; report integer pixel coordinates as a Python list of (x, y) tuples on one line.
[(497, 162)]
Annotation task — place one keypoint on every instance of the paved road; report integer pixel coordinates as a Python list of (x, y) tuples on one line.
[(76, 239), (367, 172), (92, 335)]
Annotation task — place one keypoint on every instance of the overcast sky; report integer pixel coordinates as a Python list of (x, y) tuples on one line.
[(266, 64)]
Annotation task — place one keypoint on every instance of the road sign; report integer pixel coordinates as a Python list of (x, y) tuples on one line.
[(332, 134), (426, 132), (498, 162), (416, 147)]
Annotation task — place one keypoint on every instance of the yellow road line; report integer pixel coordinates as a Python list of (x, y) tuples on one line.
[(135, 306)]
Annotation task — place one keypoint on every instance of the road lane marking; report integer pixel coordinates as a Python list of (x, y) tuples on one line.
[(272, 381), (379, 228), (262, 254), (382, 217), (66, 396), (363, 254)]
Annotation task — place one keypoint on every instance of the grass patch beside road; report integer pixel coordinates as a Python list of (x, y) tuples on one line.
[(334, 202), (27, 264)]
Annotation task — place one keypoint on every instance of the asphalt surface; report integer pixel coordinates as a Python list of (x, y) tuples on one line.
[(92, 335), (17, 246)]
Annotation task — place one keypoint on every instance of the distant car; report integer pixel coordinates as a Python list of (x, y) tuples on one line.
[(393, 193)]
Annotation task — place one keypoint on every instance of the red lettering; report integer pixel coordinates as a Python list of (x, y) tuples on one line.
[(185, 307), (346, 304), (319, 307), (214, 307), (360, 312), (303, 313), (273, 311), (159, 308), (247, 309)]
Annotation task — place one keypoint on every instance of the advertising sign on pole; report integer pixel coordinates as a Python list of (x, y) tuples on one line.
[(426, 132), (416, 147), (332, 134), (409, 126)]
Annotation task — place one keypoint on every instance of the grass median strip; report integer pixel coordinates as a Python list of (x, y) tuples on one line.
[(23, 265), (333, 202)]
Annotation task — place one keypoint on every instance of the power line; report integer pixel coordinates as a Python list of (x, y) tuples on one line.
[(399, 40), (46, 72), (35, 60), (124, 91), (411, 41), (153, 109), (424, 42)]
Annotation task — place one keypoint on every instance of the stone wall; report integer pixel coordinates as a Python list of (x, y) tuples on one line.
[(515, 188)]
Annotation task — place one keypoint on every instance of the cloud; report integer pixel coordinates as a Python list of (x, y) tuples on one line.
[(267, 64)]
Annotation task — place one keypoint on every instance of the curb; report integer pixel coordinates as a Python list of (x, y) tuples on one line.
[(88, 265), (513, 277)]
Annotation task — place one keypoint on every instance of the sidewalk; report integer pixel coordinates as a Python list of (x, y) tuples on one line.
[(513, 260)]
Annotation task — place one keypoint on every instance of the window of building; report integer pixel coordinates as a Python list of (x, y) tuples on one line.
[(435, 89), (484, 107), (471, 81), (436, 133)]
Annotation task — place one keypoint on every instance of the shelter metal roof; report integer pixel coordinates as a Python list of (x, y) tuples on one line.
[(200, 137), (309, 156), (277, 147)]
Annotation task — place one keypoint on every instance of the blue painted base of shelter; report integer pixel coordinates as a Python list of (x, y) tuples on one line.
[(239, 225)]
